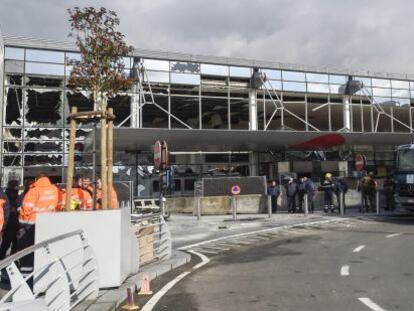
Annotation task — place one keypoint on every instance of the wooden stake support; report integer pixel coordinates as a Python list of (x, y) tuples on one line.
[(71, 160), (110, 154)]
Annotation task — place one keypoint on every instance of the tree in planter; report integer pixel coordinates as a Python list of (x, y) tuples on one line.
[(101, 70)]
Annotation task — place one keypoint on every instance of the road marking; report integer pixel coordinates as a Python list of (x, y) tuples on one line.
[(154, 300), (344, 270), (393, 235), (358, 249), (268, 230), (370, 304)]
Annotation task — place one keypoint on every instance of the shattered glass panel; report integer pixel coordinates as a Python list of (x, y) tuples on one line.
[(42, 134), (79, 99), (81, 134), (13, 106), (13, 80), (215, 70), (12, 174), (43, 107), (122, 109), (185, 67), (14, 53), (44, 69), (153, 64), (12, 133), (44, 56), (43, 160), (43, 146), (185, 79), (12, 146), (14, 66), (42, 81), (12, 160)]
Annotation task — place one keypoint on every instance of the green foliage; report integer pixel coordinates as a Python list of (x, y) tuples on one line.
[(101, 69)]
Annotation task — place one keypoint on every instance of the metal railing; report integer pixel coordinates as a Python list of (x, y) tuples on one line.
[(159, 233), (59, 280)]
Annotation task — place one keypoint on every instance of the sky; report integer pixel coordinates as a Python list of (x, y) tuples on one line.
[(374, 35)]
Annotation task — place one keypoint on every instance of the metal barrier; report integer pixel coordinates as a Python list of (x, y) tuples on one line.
[(60, 283), (159, 232)]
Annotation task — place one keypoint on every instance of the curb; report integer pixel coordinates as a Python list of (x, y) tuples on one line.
[(111, 299)]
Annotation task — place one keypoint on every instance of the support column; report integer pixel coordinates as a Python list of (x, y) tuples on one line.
[(253, 163), (135, 103), (346, 110), (253, 110)]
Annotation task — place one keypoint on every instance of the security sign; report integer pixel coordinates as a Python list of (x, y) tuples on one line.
[(235, 189)]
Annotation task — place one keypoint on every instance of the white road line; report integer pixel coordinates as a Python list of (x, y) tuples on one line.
[(358, 249), (268, 230), (370, 304), (344, 270), (153, 301), (393, 235)]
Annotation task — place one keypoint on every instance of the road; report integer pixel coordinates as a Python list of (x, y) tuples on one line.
[(355, 265)]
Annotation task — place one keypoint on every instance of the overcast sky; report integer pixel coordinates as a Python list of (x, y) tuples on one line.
[(358, 34)]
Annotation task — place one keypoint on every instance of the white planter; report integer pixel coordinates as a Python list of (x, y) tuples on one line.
[(109, 232)]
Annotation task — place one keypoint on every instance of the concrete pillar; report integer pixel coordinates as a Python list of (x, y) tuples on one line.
[(253, 163), (135, 102), (253, 110), (346, 110)]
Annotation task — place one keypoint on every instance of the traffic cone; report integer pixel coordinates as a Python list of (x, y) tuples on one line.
[(130, 306), (145, 286)]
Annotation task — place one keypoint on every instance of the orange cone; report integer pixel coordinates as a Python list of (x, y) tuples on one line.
[(145, 286)]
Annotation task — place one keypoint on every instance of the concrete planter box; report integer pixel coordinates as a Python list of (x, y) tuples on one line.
[(110, 234)]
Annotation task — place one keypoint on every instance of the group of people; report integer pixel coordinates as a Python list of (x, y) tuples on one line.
[(297, 190), (19, 208)]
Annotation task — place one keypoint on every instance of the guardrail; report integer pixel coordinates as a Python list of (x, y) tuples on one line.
[(155, 240), (60, 282)]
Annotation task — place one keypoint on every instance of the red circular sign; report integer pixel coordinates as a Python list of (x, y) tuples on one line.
[(360, 162), (235, 189), (158, 154), (165, 159)]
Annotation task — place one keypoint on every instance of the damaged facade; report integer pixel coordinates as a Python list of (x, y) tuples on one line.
[(181, 91)]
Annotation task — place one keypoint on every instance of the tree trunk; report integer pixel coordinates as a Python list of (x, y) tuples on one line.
[(110, 149), (71, 161), (104, 183)]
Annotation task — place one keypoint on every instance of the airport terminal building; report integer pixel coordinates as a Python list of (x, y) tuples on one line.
[(220, 116)]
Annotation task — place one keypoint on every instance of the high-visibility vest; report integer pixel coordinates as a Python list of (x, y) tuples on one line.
[(114, 199), (3, 203), (79, 199), (42, 197)]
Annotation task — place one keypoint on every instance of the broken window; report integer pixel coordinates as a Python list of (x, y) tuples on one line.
[(80, 99), (43, 107), (13, 113), (185, 67), (12, 146), (44, 81), (122, 109), (13, 80), (43, 160), (214, 113), (186, 109), (152, 115), (239, 114), (43, 146), (12, 174), (12, 160), (12, 133), (42, 134)]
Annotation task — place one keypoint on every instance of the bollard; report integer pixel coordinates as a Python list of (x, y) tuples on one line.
[(377, 202), (341, 204), (234, 207), (269, 205), (198, 208), (130, 301), (305, 199)]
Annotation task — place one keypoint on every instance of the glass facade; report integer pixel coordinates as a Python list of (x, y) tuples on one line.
[(178, 94)]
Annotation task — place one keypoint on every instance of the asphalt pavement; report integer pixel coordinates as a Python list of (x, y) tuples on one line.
[(349, 265)]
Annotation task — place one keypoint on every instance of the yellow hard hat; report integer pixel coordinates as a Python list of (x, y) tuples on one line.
[(328, 175)]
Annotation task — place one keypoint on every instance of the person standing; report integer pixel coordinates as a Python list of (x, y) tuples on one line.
[(274, 193), (12, 225), (310, 190), (42, 197), (389, 188), (328, 188), (301, 193), (291, 191), (367, 188), (341, 188)]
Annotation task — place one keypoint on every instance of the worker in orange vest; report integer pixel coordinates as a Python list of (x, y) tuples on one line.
[(80, 197), (42, 197), (114, 201), (4, 210)]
